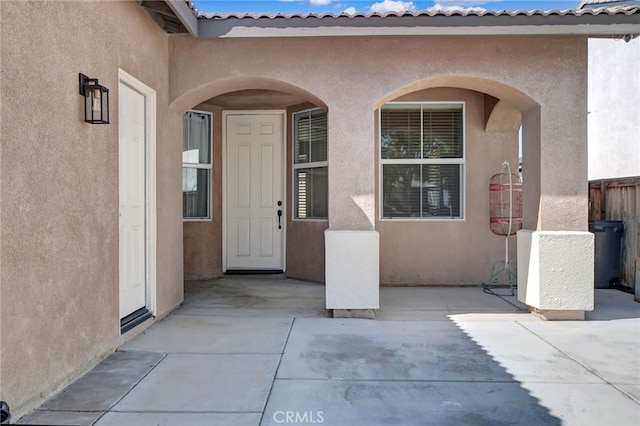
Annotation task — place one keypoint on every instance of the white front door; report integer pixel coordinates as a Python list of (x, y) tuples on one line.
[(255, 191), (132, 184)]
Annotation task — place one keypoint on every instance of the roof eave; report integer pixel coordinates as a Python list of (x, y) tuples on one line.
[(597, 26), (186, 15), (239, 31), (603, 22)]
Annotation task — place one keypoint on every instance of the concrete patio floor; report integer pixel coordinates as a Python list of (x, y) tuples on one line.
[(261, 350)]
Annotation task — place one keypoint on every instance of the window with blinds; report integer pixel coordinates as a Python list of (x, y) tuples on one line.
[(422, 160), (310, 166), (196, 165)]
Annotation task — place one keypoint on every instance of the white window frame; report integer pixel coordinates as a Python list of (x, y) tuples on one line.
[(312, 165), (203, 166), (461, 161)]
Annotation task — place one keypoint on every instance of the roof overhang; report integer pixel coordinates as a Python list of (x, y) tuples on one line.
[(185, 14), (619, 21), (420, 25)]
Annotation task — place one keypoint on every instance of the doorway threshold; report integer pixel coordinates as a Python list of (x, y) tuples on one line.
[(133, 319), (254, 272)]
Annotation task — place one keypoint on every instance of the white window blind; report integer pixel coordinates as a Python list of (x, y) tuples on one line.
[(422, 160), (310, 166)]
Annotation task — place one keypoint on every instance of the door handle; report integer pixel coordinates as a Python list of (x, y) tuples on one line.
[(279, 217)]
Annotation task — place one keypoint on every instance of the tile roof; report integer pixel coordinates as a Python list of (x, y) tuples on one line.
[(615, 10), (614, 20), (607, 3)]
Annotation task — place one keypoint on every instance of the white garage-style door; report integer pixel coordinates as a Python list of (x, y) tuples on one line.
[(255, 211), (135, 211)]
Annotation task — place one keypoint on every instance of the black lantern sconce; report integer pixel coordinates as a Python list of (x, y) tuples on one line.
[(96, 100)]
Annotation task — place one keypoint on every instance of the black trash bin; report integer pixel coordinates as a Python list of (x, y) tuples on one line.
[(5, 413), (608, 242)]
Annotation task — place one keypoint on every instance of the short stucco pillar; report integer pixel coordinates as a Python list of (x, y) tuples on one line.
[(555, 273), (352, 277), (352, 273)]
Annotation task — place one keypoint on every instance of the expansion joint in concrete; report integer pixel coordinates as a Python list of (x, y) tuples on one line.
[(275, 374), (590, 370)]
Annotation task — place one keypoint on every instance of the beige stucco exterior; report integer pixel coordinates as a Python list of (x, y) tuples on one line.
[(59, 176), (59, 192), (402, 68)]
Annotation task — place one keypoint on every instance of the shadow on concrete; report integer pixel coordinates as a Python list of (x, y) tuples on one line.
[(353, 372)]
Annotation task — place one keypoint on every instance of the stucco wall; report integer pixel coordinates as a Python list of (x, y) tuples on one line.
[(614, 108), (203, 238), (59, 223), (548, 73), (453, 251), (542, 78)]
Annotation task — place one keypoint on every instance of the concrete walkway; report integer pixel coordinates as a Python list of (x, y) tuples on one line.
[(262, 351)]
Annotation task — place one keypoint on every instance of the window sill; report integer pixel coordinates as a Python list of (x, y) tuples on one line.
[(422, 219)]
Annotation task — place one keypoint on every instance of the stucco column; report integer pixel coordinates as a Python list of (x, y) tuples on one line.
[(555, 255), (351, 243), (563, 161), (351, 167)]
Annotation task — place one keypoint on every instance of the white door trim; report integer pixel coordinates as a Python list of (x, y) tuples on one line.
[(150, 160), (282, 113)]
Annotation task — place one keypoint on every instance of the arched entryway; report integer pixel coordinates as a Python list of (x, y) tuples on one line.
[(252, 223)]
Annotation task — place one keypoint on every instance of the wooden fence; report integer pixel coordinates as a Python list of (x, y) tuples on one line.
[(619, 199)]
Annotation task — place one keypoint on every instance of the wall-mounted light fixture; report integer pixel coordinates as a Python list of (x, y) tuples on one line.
[(96, 100)]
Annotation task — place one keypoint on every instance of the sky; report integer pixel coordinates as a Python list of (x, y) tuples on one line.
[(381, 6)]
